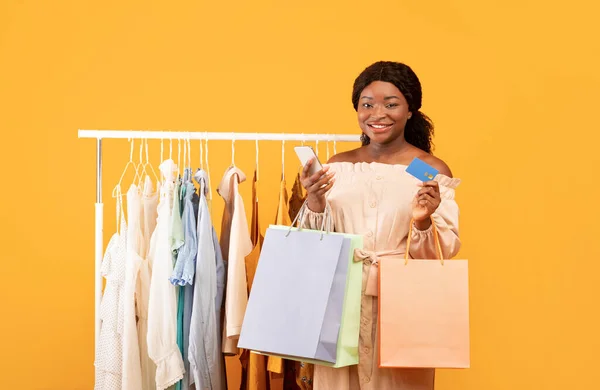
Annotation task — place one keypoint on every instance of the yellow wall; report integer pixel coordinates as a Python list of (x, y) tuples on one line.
[(512, 86)]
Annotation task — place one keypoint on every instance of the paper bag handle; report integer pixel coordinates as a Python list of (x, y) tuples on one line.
[(325, 224), (436, 238)]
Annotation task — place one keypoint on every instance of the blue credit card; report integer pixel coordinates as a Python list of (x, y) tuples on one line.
[(421, 170)]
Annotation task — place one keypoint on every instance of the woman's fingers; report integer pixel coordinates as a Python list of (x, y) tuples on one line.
[(427, 190), (425, 199), (306, 180), (323, 190), (430, 186), (320, 183), (319, 174)]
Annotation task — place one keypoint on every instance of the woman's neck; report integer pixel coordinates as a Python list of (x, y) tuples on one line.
[(387, 151)]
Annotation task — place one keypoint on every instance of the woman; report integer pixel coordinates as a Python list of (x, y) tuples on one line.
[(367, 191)]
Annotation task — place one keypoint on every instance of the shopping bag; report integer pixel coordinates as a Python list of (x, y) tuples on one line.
[(424, 312), (296, 305), (347, 340)]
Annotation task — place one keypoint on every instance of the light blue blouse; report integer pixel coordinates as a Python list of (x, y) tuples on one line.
[(205, 357)]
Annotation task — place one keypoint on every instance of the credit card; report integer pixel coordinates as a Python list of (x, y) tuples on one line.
[(421, 170)]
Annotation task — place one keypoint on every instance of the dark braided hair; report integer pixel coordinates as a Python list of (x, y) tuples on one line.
[(419, 128)]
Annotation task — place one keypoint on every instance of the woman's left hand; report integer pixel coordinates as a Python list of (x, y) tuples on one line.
[(426, 202)]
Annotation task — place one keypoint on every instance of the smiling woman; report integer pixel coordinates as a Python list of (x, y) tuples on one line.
[(367, 191)]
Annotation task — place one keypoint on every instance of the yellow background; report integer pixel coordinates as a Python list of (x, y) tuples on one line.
[(513, 87)]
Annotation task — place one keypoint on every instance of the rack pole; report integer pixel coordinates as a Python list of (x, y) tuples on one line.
[(215, 136), (99, 228)]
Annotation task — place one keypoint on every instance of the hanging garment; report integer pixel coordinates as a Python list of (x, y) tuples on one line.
[(108, 362), (283, 215), (275, 364), (205, 357), (375, 200), (235, 244), (297, 198), (183, 272), (138, 369), (132, 369), (177, 242), (142, 294), (189, 293), (162, 309), (177, 235), (254, 366), (297, 375)]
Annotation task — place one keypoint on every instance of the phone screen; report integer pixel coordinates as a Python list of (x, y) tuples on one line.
[(305, 154)]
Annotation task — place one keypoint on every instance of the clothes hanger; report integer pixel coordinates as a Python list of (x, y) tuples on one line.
[(207, 166), (168, 174), (334, 145), (148, 164), (201, 162), (232, 150), (256, 165), (185, 153), (179, 156), (256, 156), (282, 159), (189, 146), (189, 159), (161, 150), (117, 189), (208, 186), (145, 165), (140, 170)]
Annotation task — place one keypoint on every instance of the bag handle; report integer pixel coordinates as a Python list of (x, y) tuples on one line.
[(436, 238), (325, 226)]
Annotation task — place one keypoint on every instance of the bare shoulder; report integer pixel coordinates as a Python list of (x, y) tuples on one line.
[(437, 163), (349, 156)]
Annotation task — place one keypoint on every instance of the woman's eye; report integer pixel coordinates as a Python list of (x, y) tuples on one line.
[(392, 105), (367, 105)]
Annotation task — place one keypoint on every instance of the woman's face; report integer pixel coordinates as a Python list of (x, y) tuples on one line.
[(382, 112)]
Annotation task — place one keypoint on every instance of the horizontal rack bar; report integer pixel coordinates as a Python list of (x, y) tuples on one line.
[(216, 136)]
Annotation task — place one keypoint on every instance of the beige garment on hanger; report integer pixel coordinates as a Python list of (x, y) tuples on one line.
[(275, 364), (254, 366), (235, 245), (297, 198)]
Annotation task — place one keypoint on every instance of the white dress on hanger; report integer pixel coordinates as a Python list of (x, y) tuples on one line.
[(162, 307), (148, 217), (132, 371), (108, 375)]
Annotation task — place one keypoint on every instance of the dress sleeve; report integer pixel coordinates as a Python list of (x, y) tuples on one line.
[(313, 220), (446, 222)]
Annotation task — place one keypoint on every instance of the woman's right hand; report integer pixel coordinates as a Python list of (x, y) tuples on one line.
[(317, 186)]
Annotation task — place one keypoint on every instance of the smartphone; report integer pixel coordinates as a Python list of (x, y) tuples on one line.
[(305, 154)]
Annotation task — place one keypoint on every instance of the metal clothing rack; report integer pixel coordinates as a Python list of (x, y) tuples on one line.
[(99, 135)]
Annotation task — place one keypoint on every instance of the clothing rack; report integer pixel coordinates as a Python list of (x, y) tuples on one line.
[(99, 135)]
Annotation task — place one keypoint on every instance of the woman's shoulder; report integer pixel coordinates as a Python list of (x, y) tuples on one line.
[(436, 162), (351, 156)]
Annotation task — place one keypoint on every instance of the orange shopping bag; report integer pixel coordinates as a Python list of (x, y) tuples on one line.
[(424, 312)]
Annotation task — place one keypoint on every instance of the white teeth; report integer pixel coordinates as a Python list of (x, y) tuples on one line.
[(379, 126)]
